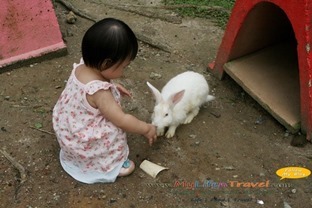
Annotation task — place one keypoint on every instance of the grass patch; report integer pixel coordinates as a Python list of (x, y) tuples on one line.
[(216, 10)]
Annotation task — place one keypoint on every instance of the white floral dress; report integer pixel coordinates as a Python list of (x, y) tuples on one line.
[(92, 148)]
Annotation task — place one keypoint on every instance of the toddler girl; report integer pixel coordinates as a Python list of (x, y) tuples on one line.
[(88, 120)]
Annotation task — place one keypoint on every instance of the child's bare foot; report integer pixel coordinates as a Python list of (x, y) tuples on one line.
[(127, 168)]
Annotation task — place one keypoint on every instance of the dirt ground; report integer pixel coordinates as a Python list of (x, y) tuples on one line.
[(233, 143)]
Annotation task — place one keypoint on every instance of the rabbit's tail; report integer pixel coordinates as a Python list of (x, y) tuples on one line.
[(210, 98)]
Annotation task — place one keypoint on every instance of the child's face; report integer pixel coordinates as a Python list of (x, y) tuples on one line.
[(115, 71)]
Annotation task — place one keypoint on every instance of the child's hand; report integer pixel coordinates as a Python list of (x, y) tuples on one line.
[(123, 91), (151, 134)]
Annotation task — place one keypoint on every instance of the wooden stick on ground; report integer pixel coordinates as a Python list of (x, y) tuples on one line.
[(44, 131), (144, 11), (139, 35), (78, 12), (180, 6), (18, 166)]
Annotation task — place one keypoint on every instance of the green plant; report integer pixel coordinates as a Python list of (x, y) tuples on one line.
[(217, 10)]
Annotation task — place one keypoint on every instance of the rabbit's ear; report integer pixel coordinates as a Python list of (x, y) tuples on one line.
[(156, 92), (176, 97)]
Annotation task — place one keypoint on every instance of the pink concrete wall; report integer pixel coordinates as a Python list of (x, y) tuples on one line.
[(28, 29)]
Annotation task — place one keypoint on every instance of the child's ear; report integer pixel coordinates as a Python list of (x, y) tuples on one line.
[(106, 64)]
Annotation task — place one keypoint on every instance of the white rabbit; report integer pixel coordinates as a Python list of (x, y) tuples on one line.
[(179, 101)]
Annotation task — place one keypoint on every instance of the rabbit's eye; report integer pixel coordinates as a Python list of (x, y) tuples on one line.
[(166, 114)]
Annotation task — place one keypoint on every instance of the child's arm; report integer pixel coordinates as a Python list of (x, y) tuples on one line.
[(123, 91), (105, 102)]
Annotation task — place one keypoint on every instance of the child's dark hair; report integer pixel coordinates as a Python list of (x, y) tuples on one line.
[(108, 42)]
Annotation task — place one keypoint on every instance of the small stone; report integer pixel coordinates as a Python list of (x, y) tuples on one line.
[(71, 18), (193, 136), (293, 191), (259, 120), (7, 97), (286, 205), (260, 202), (229, 168), (224, 204), (69, 33), (154, 75), (112, 200)]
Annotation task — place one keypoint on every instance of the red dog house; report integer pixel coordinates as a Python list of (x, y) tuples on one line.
[(266, 49), (28, 31)]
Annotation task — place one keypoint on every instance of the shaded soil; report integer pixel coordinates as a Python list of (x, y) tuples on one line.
[(232, 140)]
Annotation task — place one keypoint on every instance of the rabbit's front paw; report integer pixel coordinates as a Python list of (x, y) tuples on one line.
[(171, 131), (160, 131)]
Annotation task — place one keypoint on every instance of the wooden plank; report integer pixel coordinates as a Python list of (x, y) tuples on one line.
[(271, 77)]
